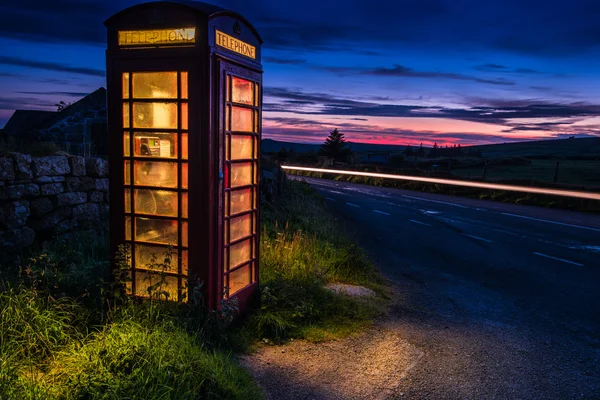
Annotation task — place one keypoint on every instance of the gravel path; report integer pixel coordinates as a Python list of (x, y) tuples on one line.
[(442, 339)]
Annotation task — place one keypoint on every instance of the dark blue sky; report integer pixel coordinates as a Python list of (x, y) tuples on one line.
[(382, 71)]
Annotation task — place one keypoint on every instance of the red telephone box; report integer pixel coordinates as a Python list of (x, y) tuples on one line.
[(184, 84)]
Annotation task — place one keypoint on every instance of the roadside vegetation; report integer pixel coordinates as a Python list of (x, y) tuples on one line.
[(67, 332)]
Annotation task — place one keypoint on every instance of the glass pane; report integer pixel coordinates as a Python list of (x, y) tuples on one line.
[(125, 115), (184, 262), (127, 228), (156, 230), (127, 200), (144, 280), (155, 144), (239, 279), (155, 115), (239, 253), (156, 202), (227, 87), (240, 227), (242, 91), (184, 175), (256, 121), (184, 205), (227, 146), (241, 119), (155, 258), (241, 200), (226, 258), (126, 144), (184, 85), (184, 115), (241, 174), (127, 173), (226, 208), (184, 234), (226, 232), (241, 147), (126, 85), (228, 118), (155, 173), (154, 85), (184, 146), (256, 95)]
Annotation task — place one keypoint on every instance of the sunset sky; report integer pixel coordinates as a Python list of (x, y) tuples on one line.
[(402, 72)]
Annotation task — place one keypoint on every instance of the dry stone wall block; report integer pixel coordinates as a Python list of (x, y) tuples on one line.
[(41, 206), (50, 166), (17, 192), (22, 166), (97, 197), (50, 189), (97, 167), (77, 165), (102, 185), (7, 170), (50, 220), (14, 214), (80, 184), (85, 212), (71, 198)]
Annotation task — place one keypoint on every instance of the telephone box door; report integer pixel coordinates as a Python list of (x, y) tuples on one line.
[(240, 131)]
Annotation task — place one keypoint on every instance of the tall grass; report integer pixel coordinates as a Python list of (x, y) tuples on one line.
[(303, 248)]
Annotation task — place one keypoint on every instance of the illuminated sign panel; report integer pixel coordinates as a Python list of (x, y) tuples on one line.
[(176, 36), (235, 45)]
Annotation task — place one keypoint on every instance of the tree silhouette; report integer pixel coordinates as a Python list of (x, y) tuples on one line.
[(408, 151), (421, 151), (335, 145)]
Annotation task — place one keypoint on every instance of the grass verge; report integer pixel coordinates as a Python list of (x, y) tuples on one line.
[(303, 249)]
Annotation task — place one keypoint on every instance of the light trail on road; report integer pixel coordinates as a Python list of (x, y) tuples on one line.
[(480, 185)]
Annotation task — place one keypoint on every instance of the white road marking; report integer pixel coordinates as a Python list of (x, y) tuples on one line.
[(336, 192), (558, 259), (353, 205), (418, 222), (381, 212), (430, 212), (330, 199), (595, 249), (476, 238), (552, 222), (435, 201)]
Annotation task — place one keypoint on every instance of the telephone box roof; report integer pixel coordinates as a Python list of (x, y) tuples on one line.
[(206, 9)]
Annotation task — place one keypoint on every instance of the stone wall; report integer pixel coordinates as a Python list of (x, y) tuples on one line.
[(41, 197)]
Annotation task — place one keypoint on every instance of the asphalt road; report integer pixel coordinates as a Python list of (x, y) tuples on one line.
[(504, 300)]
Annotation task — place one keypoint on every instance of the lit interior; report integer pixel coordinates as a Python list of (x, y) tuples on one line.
[(155, 171)]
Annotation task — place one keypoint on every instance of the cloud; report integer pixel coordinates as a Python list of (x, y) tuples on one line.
[(55, 21), (283, 61), (401, 71), (311, 131), (50, 66), (72, 94)]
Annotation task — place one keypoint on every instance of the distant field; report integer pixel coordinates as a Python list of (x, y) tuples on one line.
[(571, 172), (582, 147)]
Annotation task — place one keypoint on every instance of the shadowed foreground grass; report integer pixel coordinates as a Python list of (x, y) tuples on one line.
[(66, 334)]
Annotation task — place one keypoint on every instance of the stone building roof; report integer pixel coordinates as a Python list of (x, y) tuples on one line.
[(23, 121)]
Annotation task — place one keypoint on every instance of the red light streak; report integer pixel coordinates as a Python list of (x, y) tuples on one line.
[(481, 185)]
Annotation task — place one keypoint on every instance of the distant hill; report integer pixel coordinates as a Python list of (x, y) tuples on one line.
[(556, 148), (270, 146)]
